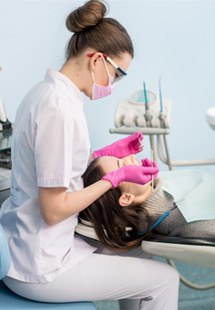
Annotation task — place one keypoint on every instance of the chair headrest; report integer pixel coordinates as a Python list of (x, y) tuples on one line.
[(4, 254)]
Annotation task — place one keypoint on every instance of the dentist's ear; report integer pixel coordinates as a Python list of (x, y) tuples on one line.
[(126, 199), (96, 57)]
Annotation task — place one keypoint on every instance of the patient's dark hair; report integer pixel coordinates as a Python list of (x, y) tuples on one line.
[(117, 227)]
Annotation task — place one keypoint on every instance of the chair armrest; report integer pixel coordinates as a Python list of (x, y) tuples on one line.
[(179, 240), (188, 250)]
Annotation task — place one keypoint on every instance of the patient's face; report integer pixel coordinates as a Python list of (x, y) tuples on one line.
[(110, 163)]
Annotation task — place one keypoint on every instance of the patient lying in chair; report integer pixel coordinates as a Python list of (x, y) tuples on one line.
[(123, 216)]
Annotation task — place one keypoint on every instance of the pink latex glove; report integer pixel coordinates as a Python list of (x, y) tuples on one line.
[(131, 173), (123, 147), (148, 163)]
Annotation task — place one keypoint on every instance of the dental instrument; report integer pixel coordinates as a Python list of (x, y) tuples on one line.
[(162, 114), (148, 115), (160, 95), (152, 160), (145, 96)]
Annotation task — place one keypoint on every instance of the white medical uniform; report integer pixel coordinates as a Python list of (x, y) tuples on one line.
[(51, 149)]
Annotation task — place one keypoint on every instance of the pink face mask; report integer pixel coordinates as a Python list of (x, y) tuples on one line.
[(100, 91)]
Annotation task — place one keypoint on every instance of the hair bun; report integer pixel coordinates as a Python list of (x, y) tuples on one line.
[(87, 15)]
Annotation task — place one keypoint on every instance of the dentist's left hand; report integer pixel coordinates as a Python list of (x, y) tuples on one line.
[(122, 148)]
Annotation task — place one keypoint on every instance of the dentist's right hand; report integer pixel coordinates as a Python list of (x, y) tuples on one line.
[(148, 163), (131, 173)]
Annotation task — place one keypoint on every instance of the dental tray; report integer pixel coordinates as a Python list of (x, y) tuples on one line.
[(131, 112)]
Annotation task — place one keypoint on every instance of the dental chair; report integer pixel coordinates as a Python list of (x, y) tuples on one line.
[(188, 250), (151, 115), (11, 301)]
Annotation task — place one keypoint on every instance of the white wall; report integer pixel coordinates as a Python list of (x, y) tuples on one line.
[(175, 39)]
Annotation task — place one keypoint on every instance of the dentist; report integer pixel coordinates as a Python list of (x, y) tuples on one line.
[(50, 152)]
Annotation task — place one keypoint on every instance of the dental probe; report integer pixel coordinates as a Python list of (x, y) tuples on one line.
[(152, 160)]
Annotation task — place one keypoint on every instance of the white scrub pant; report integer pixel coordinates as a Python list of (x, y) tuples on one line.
[(137, 283)]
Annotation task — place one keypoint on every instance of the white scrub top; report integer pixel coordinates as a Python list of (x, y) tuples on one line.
[(50, 149)]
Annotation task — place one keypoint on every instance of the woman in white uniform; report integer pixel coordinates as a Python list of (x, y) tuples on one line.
[(50, 152)]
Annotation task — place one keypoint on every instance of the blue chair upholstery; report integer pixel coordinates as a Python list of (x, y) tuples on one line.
[(9, 300)]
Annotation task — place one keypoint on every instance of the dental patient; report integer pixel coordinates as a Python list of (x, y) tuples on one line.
[(124, 215)]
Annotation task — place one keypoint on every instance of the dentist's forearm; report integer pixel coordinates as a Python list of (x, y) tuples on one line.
[(56, 204)]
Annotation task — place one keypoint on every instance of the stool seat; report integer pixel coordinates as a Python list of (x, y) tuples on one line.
[(11, 301)]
